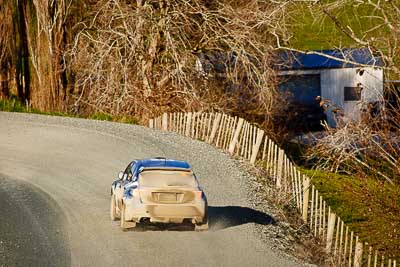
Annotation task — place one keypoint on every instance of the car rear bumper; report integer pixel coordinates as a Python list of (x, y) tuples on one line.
[(164, 213)]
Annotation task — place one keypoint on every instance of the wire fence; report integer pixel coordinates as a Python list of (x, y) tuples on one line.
[(239, 137)]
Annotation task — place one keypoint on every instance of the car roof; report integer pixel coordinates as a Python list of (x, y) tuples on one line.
[(163, 163)]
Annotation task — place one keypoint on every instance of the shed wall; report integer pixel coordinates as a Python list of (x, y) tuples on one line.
[(333, 82)]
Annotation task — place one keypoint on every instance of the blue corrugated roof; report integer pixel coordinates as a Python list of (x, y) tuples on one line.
[(289, 60)]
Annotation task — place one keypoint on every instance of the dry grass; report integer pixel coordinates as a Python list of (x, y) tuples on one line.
[(370, 147)]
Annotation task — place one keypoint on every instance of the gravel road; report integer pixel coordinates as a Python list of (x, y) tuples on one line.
[(71, 164)]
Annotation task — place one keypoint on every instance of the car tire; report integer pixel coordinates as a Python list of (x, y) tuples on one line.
[(204, 224), (201, 227), (113, 208), (124, 224)]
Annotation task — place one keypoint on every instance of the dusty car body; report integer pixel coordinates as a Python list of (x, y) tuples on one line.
[(159, 191)]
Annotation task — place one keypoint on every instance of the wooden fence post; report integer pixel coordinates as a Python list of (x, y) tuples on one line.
[(180, 123), (341, 240), (242, 137), (376, 258), (151, 123), (246, 139), (300, 187), (324, 221), (351, 247), (337, 235), (358, 253), (316, 212), (297, 189), (207, 135), (214, 128), (293, 186), (256, 147), (369, 255), (203, 126), (229, 132), (320, 216), (220, 131), (188, 123), (264, 147), (274, 162), (346, 241), (192, 125), (331, 228), (306, 190), (165, 122), (269, 156), (171, 122), (280, 166), (176, 127), (312, 207)]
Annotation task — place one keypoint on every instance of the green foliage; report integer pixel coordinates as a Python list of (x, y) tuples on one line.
[(312, 30), (129, 120), (12, 105), (15, 105), (101, 116), (108, 117), (369, 207)]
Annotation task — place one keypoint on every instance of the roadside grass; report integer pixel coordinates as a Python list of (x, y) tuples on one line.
[(371, 208), (14, 105), (368, 205), (314, 31)]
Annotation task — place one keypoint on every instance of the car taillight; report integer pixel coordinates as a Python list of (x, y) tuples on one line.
[(135, 192)]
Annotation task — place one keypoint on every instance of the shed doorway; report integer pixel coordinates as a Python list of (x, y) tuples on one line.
[(300, 94)]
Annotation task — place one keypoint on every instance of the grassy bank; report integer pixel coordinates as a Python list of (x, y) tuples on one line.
[(14, 105), (312, 30), (369, 207)]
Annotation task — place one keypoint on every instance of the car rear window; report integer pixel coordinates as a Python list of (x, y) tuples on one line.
[(167, 178)]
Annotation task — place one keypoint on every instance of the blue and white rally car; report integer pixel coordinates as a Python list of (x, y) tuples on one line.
[(158, 190)]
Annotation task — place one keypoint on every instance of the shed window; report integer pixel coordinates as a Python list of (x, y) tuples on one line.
[(352, 93)]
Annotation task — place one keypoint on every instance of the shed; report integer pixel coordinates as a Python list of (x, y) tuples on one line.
[(348, 79)]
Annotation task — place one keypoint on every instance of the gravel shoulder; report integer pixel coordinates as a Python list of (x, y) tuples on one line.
[(74, 162)]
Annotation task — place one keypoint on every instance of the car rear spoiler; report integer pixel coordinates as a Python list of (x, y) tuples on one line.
[(164, 169)]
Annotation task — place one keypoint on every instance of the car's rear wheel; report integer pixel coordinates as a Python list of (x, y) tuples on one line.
[(124, 224), (113, 209), (204, 224), (201, 227)]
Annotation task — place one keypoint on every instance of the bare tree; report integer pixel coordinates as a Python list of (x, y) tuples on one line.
[(6, 29), (148, 57), (46, 44)]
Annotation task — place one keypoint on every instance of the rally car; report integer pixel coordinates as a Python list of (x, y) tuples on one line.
[(158, 190)]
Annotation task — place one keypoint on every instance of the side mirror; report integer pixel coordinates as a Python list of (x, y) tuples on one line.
[(120, 175)]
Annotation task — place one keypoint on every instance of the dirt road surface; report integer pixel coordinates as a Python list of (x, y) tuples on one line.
[(55, 177)]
